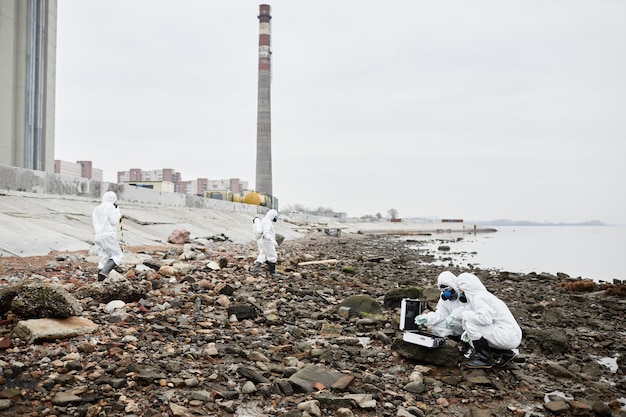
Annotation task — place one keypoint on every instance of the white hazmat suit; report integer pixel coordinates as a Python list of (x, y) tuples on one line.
[(267, 242), (436, 320), (489, 324), (106, 219)]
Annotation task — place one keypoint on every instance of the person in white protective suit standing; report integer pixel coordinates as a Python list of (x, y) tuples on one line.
[(489, 326), (448, 302), (257, 229), (267, 244), (106, 219)]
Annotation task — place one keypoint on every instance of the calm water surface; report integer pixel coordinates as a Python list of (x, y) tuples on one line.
[(594, 252)]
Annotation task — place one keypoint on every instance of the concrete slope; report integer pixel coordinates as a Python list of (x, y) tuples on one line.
[(33, 224), (36, 224)]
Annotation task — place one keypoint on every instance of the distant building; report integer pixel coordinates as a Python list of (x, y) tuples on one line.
[(83, 169), (27, 83), (137, 174), (341, 216), (164, 186), (199, 186), (234, 185)]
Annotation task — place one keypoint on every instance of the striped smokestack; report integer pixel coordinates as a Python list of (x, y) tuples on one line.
[(264, 120)]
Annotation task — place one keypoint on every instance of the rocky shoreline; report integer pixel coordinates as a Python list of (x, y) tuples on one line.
[(198, 335)]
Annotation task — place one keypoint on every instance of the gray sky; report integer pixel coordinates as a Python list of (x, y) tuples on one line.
[(458, 109)]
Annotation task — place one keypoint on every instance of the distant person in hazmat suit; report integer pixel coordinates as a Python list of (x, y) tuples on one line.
[(257, 229), (439, 321), (489, 325), (267, 244), (106, 219)]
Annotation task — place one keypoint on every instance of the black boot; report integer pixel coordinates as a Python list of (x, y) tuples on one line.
[(466, 350), (255, 269), (481, 358), (102, 275), (502, 357), (273, 269)]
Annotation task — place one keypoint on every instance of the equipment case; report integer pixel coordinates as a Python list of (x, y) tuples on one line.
[(409, 309)]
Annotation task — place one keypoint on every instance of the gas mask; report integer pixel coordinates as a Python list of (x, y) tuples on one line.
[(449, 294)]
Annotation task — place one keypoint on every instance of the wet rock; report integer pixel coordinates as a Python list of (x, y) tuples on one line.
[(361, 305), (444, 356), (394, 297), (242, 311)]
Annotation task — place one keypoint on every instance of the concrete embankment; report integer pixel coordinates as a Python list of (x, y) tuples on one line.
[(37, 224), (42, 213)]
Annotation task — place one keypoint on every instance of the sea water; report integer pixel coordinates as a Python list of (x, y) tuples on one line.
[(592, 252)]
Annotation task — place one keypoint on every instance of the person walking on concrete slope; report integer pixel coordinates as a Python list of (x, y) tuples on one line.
[(489, 325), (106, 218), (267, 243), (448, 302)]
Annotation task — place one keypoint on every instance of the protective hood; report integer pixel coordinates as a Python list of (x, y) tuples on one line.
[(271, 214), (447, 279), (109, 197), (469, 284)]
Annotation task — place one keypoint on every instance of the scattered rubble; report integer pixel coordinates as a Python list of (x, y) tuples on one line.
[(187, 330)]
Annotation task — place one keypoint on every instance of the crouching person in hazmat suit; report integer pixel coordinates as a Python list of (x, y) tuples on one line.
[(441, 321), (106, 218), (267, 244), (489, 325)]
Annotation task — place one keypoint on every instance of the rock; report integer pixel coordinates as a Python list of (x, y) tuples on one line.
[(114, 305), (50, 329), (557, 407), (242, 311), (40, 301), (444, 356), (307, 378), (106, 292), (179, 236), (361, 305), (394, 297), (64, 398)]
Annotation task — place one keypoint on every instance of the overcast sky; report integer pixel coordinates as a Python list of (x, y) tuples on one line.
[(449, 109)]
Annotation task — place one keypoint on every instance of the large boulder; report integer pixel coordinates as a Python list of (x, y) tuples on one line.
[(447, 355), (113, 289), (362, 305), (35, 301)]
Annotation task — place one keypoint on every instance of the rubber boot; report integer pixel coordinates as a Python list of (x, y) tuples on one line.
[(502, 357), (101, 276), (466, 350), (481, 358), (273, 269), (255, 269), (104, 274)]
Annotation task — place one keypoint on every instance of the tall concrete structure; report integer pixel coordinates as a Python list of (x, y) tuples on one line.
[(27, 83), (264, 119)]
